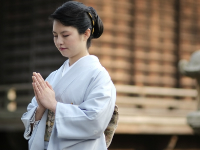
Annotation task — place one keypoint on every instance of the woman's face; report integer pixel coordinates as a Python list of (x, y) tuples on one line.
[(68, 41)]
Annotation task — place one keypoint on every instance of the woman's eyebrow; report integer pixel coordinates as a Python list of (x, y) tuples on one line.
[(61, 32), (64, 31)]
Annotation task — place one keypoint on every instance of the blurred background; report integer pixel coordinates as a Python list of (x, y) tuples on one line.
[(141, 46)]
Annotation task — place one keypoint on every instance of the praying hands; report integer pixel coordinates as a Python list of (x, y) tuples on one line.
[(44, 93)]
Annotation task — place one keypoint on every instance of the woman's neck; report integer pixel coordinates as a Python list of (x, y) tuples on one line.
[(73, 59)]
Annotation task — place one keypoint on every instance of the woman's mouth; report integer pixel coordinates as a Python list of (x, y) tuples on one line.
[(62, 48)]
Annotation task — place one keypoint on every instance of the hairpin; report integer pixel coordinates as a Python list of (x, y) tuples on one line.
[(92, 23)]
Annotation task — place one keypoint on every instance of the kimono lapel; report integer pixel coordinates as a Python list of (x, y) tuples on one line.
[(77, 69), (58, 76)]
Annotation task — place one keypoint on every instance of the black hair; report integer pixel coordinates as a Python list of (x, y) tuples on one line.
[(76, 14)]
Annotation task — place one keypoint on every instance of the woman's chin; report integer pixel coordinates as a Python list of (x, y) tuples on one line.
[(65, 55)]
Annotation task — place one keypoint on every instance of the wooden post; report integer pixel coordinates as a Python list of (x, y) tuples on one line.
[(172, 143)]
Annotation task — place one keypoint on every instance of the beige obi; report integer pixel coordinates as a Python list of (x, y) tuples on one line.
[(49, 125)]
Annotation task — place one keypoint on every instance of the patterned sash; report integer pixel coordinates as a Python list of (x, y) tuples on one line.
[(49, 125)]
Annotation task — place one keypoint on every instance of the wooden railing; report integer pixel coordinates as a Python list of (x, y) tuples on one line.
[(142, 110), (12, 108), (154, 110)]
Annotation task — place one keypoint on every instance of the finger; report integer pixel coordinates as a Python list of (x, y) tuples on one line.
[(49, 85), (38, 87), (42, 79), (34, 73), (35, 91), (34, 78), (43, 85), (40, 76)]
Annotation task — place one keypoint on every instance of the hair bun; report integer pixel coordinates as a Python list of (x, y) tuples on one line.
[(98, 24)]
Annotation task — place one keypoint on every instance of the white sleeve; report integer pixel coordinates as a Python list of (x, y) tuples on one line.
[(28, 118), (27, 134), (90, 119)]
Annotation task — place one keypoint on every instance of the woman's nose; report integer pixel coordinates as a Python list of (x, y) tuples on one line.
[(59, 40)]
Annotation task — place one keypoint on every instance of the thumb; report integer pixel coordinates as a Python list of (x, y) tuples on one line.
[(49, 85)]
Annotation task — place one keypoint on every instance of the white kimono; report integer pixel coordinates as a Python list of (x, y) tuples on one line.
[(80, 126)]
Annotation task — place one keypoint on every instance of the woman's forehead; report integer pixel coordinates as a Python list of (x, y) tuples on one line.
[(58, 27)]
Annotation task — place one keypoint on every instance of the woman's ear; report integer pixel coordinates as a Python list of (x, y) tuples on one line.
[(87, 34)]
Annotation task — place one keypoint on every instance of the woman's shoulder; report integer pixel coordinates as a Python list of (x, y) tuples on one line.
[(99, 74)]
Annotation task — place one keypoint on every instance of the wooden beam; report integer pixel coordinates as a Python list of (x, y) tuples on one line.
[(158, 91), (152, 112), (153, 125), (161, 103)]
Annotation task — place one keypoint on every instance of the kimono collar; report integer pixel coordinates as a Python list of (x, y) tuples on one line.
[(77, 69)]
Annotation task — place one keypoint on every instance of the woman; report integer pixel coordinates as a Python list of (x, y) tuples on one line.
[(73, 107)]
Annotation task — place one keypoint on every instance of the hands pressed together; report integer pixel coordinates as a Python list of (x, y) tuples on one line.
[(44, 93)]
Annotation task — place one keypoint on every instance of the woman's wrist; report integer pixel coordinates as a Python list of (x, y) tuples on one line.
[(41, 108), (39, 113), (53, 108)]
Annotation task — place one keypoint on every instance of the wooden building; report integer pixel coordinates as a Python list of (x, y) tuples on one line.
[(143, 41)]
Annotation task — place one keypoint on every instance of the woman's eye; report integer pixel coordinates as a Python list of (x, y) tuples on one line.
[(65, 35), (55, 36)]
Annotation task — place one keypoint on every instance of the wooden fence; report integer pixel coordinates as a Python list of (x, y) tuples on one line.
[(143, 110)]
